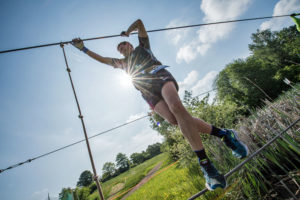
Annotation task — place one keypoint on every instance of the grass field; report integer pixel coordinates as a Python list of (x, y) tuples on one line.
[(130, 178), (175, 183)]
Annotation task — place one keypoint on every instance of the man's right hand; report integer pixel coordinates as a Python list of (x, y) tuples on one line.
[(78, 43), (124, 34)]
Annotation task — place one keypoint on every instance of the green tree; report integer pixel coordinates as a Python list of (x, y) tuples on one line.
[(109, 168), (153, 149), (65, 194), (123, 162), (83, 193), (85, 179), (137, 158), (108, 171), (275, 56)]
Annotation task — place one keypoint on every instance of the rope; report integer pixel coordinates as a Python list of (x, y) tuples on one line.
[(150, 31), (239, 166), (64, 147), (83, 127), (93, 136)]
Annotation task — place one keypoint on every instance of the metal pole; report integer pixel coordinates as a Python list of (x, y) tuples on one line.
[(83, 126)]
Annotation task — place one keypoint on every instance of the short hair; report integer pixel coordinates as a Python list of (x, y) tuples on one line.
[(123, 43)]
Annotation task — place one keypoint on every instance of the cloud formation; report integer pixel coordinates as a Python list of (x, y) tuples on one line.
[(192, 83), (176, 35), (281, 8), (135, 116), (187, 53), (147, 136), (214, 10)]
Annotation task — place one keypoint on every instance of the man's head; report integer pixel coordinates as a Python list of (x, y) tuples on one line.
[(125, 48)]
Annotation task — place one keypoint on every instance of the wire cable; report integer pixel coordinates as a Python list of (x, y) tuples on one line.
[(93, 136), (150, 31), (64, 147)]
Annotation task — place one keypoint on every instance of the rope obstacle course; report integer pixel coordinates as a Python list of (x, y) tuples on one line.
[(81, 116)]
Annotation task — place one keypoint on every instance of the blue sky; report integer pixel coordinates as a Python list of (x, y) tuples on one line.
[(38, 110)]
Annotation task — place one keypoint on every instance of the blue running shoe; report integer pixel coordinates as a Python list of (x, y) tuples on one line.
[(213, 178), (239, 149)]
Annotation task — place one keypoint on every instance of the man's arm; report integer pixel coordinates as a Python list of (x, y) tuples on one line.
[(137, 25), (116, 63)]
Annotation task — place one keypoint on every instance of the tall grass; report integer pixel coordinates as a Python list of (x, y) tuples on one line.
[(173, 184), (280, 158), (256, 179)]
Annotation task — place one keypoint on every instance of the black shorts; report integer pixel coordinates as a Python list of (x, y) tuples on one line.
[(152, 85)]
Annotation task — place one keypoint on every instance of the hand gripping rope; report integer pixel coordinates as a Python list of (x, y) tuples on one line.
[(83, 126)]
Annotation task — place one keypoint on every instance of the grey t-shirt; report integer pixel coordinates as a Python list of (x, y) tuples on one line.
[(139, 59)]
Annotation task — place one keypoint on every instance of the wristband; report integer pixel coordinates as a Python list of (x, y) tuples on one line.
[(84, 49)]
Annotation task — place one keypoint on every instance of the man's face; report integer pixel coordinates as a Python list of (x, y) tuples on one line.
[(125, 48)]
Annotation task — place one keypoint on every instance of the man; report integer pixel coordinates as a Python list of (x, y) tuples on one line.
[(159, 89)]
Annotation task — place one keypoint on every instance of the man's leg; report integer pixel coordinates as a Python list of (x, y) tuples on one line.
[(189, 125), (163, 110), (190, 128)]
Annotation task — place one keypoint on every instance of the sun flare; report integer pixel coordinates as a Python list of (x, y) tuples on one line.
[(125, 80)]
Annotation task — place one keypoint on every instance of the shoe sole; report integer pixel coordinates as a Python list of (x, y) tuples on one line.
[(245, 146), (211, 189)]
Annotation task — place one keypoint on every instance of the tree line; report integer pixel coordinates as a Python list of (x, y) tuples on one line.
[(109, 170), (123, 163)]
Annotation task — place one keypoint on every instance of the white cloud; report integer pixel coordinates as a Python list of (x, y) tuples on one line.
[(281, 8), (191, 83), (204, 84), (135, 116), (212, 34), (176, 35), (214, 10), (146, 136), (189, 80), (186, 53), (203, 48)]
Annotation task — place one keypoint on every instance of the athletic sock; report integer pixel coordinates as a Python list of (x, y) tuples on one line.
[(218, 132), (202, 156)]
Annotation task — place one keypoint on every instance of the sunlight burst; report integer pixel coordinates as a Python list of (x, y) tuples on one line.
[(125, 80)]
